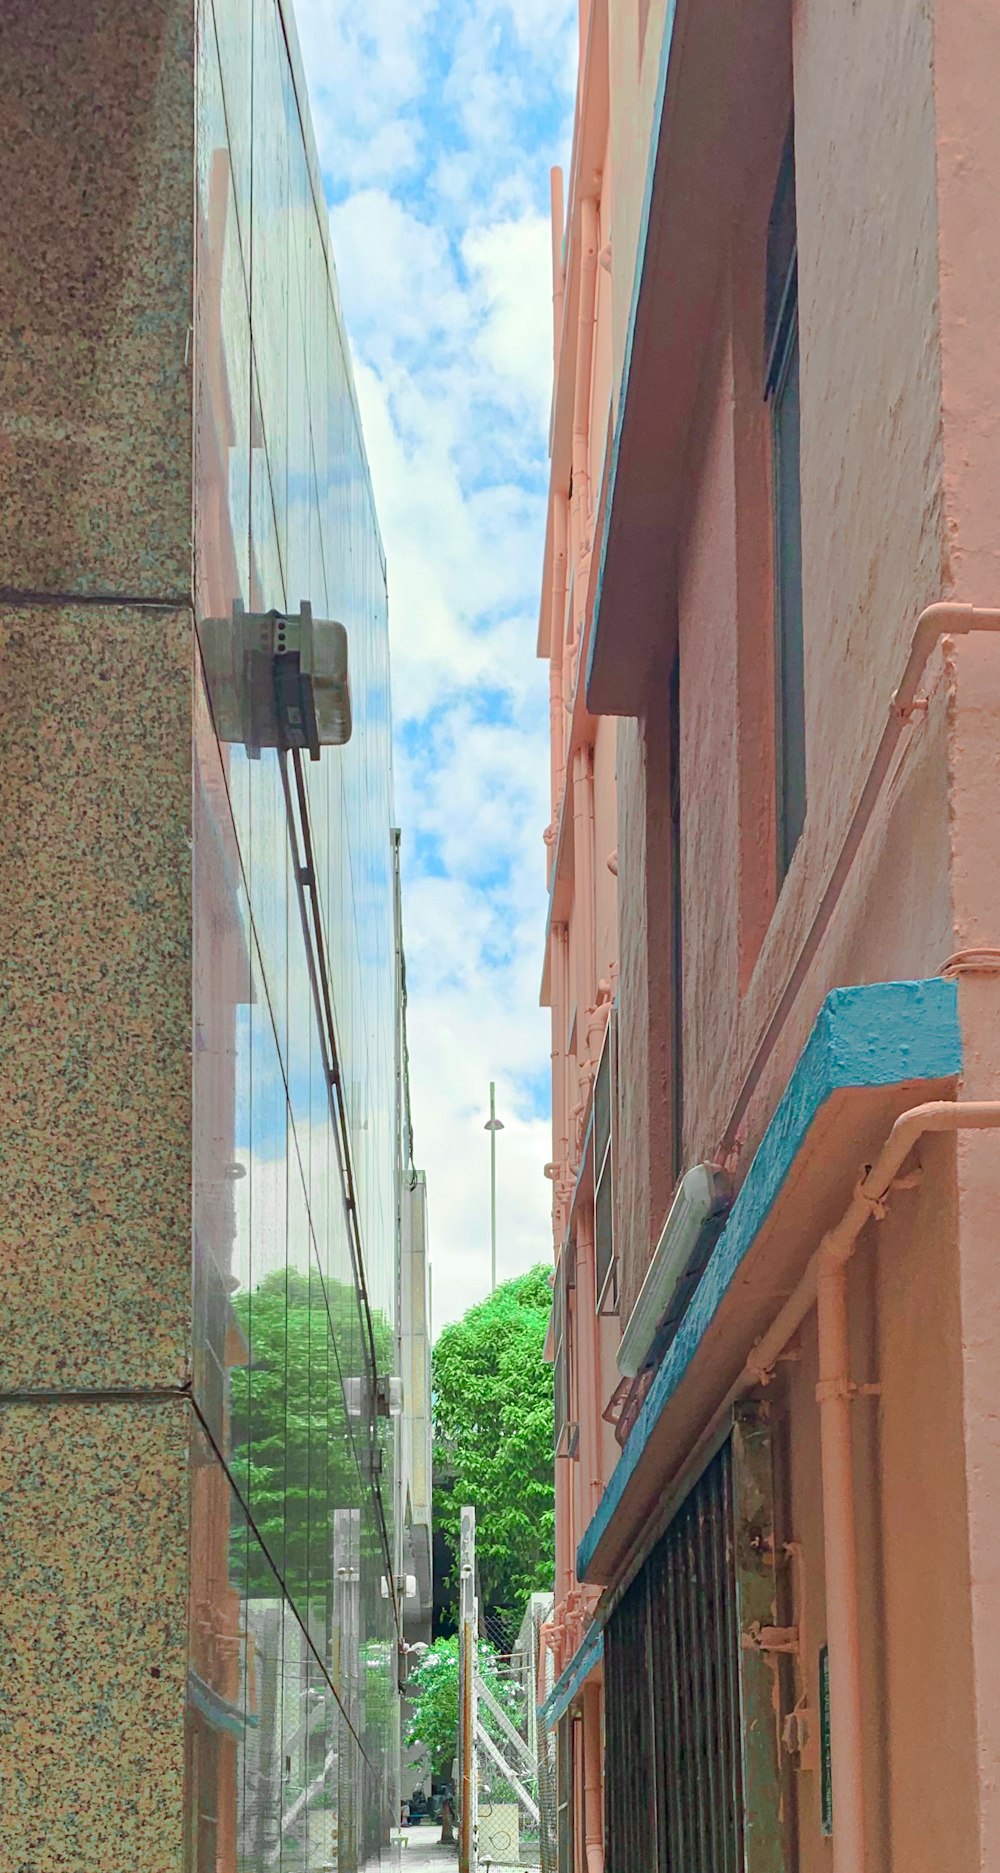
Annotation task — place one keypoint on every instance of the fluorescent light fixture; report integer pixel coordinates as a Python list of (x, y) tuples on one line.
[(700, 1199)]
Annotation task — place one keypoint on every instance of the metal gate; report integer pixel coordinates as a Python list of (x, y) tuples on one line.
[(692, 1776)]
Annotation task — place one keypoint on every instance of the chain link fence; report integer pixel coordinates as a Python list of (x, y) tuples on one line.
[(505, 1754)]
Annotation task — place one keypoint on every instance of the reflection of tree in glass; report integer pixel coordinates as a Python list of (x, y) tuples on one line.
[(493, 1427), (291, 1454), (378, 1661)]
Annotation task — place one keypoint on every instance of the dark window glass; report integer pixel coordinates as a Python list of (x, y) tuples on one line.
[(781, 263), (676, 931), (782, 391), (791, 749)]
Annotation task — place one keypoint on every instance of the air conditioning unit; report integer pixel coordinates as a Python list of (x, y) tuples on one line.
[(687, 1239)]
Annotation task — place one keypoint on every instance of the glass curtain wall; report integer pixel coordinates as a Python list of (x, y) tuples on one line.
[(292, 1684)]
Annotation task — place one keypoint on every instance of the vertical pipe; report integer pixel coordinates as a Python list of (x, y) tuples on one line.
[(560, 1110), (592, 1779), (467, 1842), (840, 1562), (579, 1795), (558, 270), (564, 946), (564, 1569), (590, 1378), (583, 903), (557, 638), (584, 368), (493, 1187)]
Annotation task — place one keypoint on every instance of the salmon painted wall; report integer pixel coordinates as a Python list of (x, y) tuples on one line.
[(899, 284), (582, 955), (873, 555)]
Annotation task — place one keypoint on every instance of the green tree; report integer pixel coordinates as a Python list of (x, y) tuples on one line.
[(291, 1451), (433, 1687), (493, 1428)]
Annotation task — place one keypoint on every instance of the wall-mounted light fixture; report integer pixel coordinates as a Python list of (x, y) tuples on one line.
[(278, 679)]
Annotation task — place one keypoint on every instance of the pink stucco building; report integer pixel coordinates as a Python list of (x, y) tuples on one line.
[(770, 605)]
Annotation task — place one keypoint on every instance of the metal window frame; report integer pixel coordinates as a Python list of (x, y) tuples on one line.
[(566, 1434), (781, 344), (606, 1287), (783, 612)]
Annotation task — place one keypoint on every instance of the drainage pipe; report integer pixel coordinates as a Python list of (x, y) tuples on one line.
[(593, 1806), (869, 1199), (588, 1382), (557, 638), (558, 270), (560, 1077), (584, 905), (935, 622), (825, 1282)]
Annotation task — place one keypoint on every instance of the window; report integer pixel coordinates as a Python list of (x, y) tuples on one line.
[(781, 390), (566, 1435), (605, 1117), (676, 929)]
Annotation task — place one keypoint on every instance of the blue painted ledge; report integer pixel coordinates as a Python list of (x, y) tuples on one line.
[(587, 1653), (217, 1712), (864, 1037)]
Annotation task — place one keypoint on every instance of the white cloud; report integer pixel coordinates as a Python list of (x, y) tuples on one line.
[(437, 126), (364, 65), (402, 280), (514, 262)]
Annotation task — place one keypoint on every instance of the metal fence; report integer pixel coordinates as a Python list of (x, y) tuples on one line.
[(507, 1798)]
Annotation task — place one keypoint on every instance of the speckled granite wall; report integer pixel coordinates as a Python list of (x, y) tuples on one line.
[(96, 180), (97, 245), (95, 1015), (93, 1605)]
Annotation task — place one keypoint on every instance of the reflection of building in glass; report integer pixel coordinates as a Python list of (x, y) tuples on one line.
[(214, 1237)]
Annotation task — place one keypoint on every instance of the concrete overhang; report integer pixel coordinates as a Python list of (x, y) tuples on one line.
[(873, 1052), (722, 73)]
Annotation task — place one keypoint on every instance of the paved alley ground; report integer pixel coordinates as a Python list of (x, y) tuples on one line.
[(424, 1852)]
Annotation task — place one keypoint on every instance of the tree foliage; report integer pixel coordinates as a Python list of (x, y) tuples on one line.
[(493, 1428), (433, 1687), (291, 1451)]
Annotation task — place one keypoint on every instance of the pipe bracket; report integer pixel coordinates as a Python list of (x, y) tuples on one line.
[(845, 1388), (758, 1638)]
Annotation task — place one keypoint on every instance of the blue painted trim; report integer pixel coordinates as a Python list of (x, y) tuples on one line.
[(217, 1711), (866, 1037), (589, 1650), (666, 49)]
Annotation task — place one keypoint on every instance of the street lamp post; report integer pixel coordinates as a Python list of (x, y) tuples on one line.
[(493, 1126)]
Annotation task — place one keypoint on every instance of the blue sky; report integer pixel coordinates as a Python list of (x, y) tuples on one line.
[(437, 126)]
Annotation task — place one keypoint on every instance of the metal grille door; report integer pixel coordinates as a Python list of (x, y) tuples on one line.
[(694, 1649), (630, 1811), (692, 1781)]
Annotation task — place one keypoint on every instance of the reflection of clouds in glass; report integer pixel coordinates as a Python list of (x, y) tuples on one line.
[(280, 456)]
